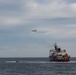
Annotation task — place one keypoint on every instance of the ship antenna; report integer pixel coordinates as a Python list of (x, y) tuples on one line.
[(55, 46)]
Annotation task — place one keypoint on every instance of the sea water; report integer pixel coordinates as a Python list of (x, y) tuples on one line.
[(36, 66)]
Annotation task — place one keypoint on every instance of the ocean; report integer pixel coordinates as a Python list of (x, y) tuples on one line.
[(36, 66)]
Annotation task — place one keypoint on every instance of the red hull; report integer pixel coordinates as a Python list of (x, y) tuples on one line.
[(58, 60)]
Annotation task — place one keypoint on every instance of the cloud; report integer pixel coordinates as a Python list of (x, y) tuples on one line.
[(58, 8), (21, 11), (59, 32), (73, 25), (54, 20), (11, 21)]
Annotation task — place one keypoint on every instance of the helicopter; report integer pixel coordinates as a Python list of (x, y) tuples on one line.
[(34, 30)]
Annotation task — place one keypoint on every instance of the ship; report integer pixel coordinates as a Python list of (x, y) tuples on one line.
[(58, 55)]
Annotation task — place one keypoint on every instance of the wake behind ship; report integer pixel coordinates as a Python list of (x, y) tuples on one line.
[(58, 55)]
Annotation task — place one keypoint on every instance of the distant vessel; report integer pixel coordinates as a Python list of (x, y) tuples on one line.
[(58, 55)]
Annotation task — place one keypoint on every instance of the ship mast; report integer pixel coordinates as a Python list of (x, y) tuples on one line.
[(55, 46)]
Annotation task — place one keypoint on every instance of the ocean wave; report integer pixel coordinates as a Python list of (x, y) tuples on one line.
[(37, 62)]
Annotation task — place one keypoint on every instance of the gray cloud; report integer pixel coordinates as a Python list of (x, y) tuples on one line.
[(16, 11), (54, 20)]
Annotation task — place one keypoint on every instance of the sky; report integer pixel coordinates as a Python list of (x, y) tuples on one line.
[(54, 20)]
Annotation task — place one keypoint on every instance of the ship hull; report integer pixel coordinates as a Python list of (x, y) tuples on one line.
[(54, 58)]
